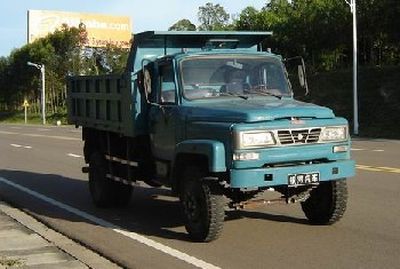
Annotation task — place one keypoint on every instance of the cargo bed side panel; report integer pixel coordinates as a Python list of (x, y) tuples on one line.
[(102, 102)]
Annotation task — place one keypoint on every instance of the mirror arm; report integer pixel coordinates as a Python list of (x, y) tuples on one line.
[(292, 58), (288, 80)]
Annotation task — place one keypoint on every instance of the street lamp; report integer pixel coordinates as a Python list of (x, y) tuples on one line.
[(42, 71), (353, 8)]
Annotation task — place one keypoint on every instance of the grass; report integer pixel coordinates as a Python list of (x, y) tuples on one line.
[(6, 262), (18, 117)]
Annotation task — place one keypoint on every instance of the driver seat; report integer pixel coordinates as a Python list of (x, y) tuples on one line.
[(236, 82)]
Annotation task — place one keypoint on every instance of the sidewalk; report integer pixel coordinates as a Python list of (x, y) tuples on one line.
[(22, 247)]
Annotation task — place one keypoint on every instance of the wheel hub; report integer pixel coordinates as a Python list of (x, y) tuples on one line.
[(191, 207)]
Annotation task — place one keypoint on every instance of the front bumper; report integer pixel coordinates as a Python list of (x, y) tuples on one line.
[(268, 177)]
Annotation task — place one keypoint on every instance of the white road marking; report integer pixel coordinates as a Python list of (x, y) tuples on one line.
[(40, 135), (15, 145), (53, 136), (5, 132), (74, 155), (20, 146), (374, 150), (135, 236)]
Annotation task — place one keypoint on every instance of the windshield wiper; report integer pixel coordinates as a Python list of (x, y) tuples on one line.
[(265, 93), (234, 94)]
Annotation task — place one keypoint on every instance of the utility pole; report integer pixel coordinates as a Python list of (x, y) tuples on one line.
[(353, 8), (42, 71)]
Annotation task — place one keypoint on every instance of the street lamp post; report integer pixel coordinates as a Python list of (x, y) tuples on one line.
[(353, 8), (42, 71)]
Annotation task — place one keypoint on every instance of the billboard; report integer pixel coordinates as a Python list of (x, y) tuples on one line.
[(101, 29)]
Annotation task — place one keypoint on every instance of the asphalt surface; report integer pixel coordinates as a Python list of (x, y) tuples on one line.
[(40, 172)]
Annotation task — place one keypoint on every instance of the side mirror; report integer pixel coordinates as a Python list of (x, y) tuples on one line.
[(147, 83), (302, 75), (141, 84), (144, 83), (144, 78), (301, 72)]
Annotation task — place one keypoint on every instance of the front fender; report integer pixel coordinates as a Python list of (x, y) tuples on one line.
[(213, 150)]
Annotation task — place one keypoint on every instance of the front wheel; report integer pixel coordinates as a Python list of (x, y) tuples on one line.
[(327, 202), (203, 206)]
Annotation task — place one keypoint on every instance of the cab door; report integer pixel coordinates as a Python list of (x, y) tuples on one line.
[(163, 113)]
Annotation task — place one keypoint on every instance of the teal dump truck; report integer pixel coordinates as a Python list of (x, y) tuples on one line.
[(211, 116)]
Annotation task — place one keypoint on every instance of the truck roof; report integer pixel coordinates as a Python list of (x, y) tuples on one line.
[(153, 44)]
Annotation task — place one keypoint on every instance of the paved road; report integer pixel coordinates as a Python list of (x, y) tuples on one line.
[(40, 172)]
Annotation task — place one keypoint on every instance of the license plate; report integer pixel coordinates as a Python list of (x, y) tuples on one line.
[(303, 179)]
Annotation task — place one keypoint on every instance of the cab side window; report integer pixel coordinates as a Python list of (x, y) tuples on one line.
[(167, 90)]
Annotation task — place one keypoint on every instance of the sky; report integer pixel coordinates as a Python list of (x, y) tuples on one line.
[(145, 14)]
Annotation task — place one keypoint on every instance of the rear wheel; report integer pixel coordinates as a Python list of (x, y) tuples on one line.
[(203, 206), (327, 202), (105, 192), (122, 194)]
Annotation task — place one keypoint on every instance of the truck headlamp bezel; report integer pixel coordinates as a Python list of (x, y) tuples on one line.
[(254, 139), (334, 134)]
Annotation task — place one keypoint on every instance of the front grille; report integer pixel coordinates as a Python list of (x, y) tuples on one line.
[(299, 136)]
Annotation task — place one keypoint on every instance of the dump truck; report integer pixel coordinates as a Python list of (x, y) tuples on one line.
[(212, 117)]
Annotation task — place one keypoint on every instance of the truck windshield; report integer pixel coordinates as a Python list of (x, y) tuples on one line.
[(242, 76)]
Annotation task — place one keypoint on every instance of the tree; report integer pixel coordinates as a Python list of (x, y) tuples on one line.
[(183, 25), (379, 36), (4, 86), (108, 60), (318, 30), (323, 30), (212, 17), (63, 54), (248, 20)]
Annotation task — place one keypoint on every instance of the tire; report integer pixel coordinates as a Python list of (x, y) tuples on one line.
[(105, 192), (327, 202), (203, 206), (122, 194)]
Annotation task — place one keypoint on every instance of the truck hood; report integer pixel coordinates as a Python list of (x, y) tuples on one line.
[(256, 110)]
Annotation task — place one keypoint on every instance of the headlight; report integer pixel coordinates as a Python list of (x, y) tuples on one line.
[(255, 139), (331, 134)]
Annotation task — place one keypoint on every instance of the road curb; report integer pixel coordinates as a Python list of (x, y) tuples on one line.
[(77, 251)]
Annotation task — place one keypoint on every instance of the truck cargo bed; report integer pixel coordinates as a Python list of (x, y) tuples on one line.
[(101, 102)]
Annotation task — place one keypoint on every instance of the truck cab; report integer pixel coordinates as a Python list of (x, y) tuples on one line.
[(212, 116)]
